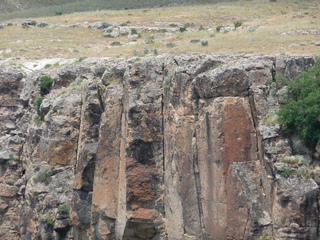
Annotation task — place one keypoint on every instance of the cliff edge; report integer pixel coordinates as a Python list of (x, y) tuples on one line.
[(170, 147)]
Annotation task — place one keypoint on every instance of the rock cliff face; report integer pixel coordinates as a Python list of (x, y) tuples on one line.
[(174, 147)]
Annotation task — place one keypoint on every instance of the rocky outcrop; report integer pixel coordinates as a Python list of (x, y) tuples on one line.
[(174, 147)]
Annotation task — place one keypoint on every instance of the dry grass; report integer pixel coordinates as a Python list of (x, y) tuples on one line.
[(274, 18)]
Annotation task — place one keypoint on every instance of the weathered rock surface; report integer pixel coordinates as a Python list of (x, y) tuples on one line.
[(174, 147)]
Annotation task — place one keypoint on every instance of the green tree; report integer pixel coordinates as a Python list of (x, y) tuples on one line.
[(38, 103), (301, 114), (45, 84)]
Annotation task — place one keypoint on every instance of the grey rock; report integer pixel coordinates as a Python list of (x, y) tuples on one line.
[(280, 166), (252, 28), (42, 24), (269, 131)]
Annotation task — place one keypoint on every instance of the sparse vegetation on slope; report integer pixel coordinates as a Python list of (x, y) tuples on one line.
[(41, 8), (282, 27)]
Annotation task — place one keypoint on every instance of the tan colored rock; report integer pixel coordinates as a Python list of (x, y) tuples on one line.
[(8, 191)]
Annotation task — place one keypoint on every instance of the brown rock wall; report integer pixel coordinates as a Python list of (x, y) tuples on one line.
[(174, 147)]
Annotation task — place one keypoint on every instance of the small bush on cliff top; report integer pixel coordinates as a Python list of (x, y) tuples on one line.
[(45, 84), (301, 114)]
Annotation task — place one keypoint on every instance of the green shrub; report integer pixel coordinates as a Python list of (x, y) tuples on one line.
[(63, 209), (48, 218), (45, 84), (47, 66), (301, 114), (105, 25), (195, 40), (43, 176), (81, 59), (218, 28), (201, 28), (36, 168), (173, 25), (286, 172), (183, 29), (42, 24), (134, 31), (170, 44), (37, 120), (281, 81), (115, 43), (238, 24), (264, 236), (155, 52), (38, 103)]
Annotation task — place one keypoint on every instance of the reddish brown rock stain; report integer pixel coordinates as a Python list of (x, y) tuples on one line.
[(140, 181), (61, 153), (237, 129)]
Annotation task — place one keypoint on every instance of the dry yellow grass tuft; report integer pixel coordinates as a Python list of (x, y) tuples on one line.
[(273, 18)]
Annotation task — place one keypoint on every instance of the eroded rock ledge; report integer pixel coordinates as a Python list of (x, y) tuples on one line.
[(173, 147)]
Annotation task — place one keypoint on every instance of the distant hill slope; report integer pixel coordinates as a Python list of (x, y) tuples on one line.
[(16, 5), (39, 8)]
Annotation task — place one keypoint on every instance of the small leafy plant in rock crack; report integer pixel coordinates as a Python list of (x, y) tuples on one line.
[(43, 176), (264, 236), (170, 44), (48, 218), (45, 84), (278, 81), (285, 172), (38, 102), (63, 209), (36, 168), (296, 167)]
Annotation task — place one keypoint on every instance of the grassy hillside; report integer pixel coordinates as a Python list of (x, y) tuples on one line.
[(284, 27), (39, 8)]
